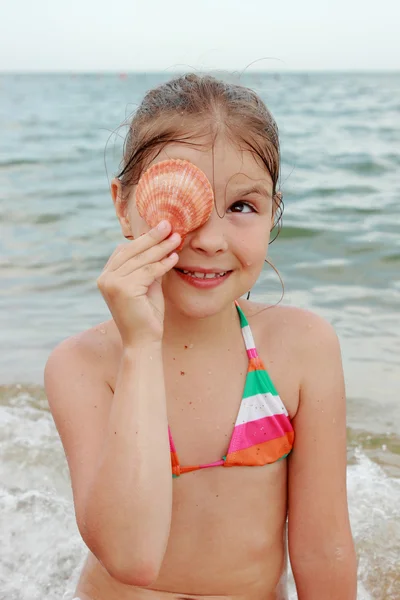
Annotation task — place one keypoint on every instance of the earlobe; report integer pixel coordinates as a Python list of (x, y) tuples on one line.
[(115, 189), (121, 206)]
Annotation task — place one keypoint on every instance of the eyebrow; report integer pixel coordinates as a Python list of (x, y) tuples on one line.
[(254, 189)]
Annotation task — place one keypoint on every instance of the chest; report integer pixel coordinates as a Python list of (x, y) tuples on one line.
[(204, 394)]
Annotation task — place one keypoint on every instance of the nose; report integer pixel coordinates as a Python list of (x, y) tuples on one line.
[(210, 239)]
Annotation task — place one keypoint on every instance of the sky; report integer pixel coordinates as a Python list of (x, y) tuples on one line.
[(158, 35)]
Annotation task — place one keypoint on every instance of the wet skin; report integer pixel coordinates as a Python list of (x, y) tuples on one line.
[(228, 525)]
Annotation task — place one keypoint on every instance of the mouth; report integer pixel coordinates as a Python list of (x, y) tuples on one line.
[(203, 274), (203, 278)]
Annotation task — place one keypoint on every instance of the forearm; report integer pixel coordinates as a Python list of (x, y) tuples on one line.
[(128, 509), (327, 578)]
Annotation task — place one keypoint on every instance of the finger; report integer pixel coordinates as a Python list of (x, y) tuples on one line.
[(118, 249), (152, 255), (141, 244), (150, 272)]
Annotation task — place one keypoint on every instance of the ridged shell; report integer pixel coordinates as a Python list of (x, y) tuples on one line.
[(175, 190)]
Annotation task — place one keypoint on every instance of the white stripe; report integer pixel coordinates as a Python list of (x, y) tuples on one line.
[(248, 337), (260, 406)]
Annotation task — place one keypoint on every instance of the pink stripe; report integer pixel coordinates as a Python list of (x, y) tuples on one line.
[(252, 353), (259, 431), (171, 441)]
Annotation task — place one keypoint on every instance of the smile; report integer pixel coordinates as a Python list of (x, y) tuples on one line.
[(200, 275), (203, 279)]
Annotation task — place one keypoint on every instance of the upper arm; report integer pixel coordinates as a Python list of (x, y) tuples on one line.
[(319, 529), (80, 400)]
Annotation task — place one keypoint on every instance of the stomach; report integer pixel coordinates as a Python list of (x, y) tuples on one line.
[(227, 541), (256, 582)]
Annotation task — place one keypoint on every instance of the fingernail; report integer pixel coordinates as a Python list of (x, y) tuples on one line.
[(162, 226)]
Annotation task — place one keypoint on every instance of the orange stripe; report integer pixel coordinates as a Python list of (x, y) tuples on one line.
[(175, 463), (262, 454), (255, 364), (189, 469)]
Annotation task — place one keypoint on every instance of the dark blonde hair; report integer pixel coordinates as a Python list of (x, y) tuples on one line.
[(193, 106)]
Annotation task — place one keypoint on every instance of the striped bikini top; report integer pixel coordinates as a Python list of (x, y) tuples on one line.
[(263, 432)]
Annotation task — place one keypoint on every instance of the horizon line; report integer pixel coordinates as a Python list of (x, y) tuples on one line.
[(166, 71)]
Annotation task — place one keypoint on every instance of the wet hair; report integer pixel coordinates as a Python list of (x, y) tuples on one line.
[(194, 106)]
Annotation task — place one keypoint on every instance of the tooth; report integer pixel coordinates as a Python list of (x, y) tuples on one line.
[(199, 275)]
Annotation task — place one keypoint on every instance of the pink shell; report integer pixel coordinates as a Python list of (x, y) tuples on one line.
[(175, 190)]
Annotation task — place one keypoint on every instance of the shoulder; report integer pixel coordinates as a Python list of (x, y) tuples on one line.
[(305, 343), (77, 380), (307, 330), (89, 351)]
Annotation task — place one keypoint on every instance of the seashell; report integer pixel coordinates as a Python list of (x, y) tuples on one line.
[(178, 191)]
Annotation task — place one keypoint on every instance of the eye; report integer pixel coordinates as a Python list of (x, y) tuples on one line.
[(238, 207)]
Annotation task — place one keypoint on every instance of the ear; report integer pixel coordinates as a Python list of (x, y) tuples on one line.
[(121, 207)]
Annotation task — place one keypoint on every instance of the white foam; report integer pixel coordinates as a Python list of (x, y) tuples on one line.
[(42, 552)]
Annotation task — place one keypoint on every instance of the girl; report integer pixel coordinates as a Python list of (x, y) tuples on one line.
[(242, 403)]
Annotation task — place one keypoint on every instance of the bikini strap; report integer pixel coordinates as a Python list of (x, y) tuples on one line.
[(247, 334)]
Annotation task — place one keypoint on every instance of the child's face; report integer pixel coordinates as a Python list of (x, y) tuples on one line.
[(238, 242)]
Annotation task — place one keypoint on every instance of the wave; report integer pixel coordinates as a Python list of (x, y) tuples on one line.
[(292, 232), (361, 165), (338, 191)]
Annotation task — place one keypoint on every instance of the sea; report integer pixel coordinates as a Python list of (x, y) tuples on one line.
[(338, 254)]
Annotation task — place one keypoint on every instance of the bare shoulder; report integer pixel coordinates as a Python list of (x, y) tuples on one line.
[(79, 394), (306, 329), (296, 345), (79, 376), (93, 350)]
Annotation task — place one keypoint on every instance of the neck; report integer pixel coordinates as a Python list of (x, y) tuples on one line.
[(181, 330)]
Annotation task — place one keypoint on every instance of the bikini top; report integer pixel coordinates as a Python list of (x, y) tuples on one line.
[(263, 433)]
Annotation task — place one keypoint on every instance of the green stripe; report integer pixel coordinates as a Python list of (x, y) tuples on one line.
[(258, 382), (284, 456), (243, 320), (174, 476)]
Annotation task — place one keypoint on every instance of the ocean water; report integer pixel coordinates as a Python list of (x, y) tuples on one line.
[(338, 254)]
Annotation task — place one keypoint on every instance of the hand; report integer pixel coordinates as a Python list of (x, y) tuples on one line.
[(131, 284)]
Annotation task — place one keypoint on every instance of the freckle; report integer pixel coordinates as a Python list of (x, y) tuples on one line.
[(182, 372), (186, 347), (95, 406), (217, 496), (190, 402), (173, 358), (115, 433)]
